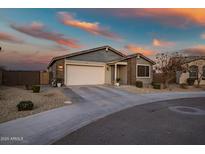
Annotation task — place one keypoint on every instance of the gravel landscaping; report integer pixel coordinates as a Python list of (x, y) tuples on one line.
[(172, 88), (48, 98)]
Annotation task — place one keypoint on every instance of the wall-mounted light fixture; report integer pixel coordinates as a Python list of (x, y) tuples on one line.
[(60, 67)]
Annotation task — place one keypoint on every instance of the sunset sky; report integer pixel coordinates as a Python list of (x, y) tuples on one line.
[(31, 37)]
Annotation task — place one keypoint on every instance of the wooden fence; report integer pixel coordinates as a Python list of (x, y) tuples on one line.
[(14, 78), (1, 76), (44, 78)]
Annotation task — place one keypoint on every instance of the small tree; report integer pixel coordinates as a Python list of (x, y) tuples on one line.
[(168, 64)]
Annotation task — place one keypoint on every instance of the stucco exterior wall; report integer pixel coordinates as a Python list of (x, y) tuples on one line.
[(123, 74), (146, 80), (52, 70), (183, 78), (131, 71), (108, 74), (56, 71), (60, 71)]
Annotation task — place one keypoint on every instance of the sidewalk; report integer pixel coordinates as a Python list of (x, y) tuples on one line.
[(49, 126)]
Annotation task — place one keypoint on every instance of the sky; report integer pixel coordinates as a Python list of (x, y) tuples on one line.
[(30, 38)]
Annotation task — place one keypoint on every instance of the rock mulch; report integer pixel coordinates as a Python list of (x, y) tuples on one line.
[(45, 100)]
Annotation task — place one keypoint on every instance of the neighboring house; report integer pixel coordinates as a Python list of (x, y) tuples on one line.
[(102, 65), (196, 69)]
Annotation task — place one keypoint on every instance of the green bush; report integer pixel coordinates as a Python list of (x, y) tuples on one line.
[(25, 105), (36, 89), (191, 81), (156, 85), (139, 84)]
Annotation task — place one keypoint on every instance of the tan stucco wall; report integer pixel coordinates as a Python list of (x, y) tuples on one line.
[(183, 78), (52, 69), (146, 80), (200, 63), (56, 72), (60, 72), (107, 74), (131, 71), (123, 74)]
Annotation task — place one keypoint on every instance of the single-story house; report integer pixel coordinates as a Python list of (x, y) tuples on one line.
[(101, 65), (195, 69)]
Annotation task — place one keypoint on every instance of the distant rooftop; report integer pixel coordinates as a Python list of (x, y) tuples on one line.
[(193, 58)]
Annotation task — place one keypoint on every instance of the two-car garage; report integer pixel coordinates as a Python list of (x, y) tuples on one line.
[(84, 73)]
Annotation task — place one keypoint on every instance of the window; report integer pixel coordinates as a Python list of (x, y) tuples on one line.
[(143, 71), (193, 71)]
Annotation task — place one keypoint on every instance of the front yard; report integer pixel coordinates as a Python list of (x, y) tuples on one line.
[(48, 98), (172, 88)]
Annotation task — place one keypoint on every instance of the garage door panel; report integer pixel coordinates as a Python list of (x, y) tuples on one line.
[(85, 75)]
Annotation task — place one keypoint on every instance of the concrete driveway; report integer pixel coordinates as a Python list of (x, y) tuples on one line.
[(90, 104), (98, 95)]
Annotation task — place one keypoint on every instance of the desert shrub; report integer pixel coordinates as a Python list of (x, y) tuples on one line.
[(156, 85), (59, 80), (36, 88), (139, 84), (118, 80), (25, 105), (183, 86), (191, 81)]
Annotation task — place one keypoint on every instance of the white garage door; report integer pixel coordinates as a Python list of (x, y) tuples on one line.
[(84, 75)]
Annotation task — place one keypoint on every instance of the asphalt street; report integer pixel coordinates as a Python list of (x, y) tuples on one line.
[(180, 121)]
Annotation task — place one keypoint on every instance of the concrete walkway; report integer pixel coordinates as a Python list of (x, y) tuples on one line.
[(92, 103)]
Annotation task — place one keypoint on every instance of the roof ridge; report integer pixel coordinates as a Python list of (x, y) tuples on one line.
[(84, 52)]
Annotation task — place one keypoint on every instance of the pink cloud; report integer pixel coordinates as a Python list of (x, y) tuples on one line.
[(179, 17), (9, 38), (137, 49), (161, 43), (38, 30), (93, 28)]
